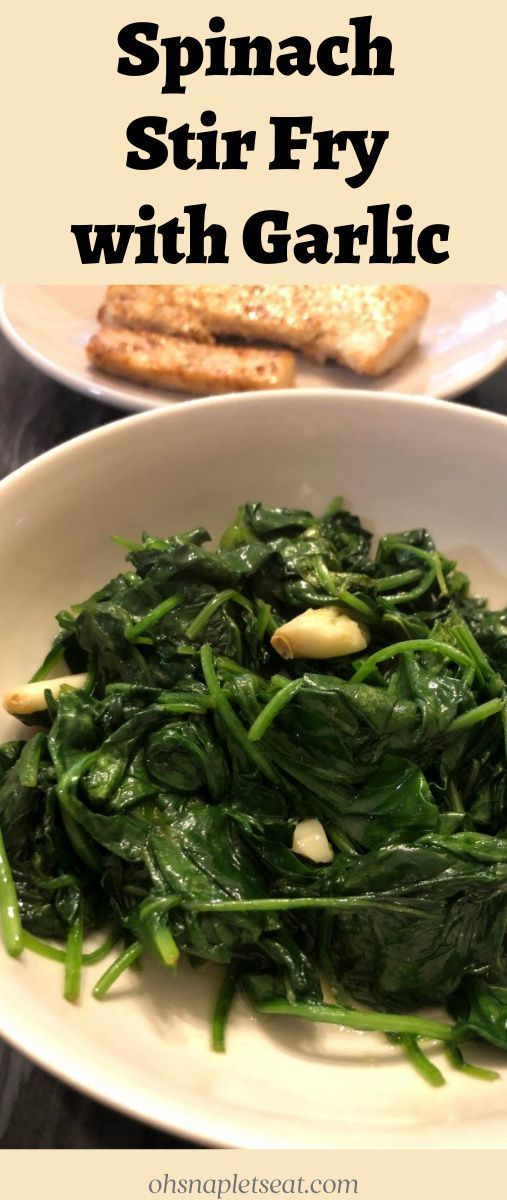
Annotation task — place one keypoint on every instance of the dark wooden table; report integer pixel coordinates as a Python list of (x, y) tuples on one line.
[(36, 1111)]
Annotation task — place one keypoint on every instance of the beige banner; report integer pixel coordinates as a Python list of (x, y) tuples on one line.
[(66, 110), (142, 1174)]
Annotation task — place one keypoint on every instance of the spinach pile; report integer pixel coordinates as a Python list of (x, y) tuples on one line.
[(158, 802)]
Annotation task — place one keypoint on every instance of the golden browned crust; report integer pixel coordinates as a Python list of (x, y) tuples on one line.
[(148, 307), (367, 328), (185, 366), (370, 329), (281, 314)]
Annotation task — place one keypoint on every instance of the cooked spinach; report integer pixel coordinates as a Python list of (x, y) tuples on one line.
[(159, 802)]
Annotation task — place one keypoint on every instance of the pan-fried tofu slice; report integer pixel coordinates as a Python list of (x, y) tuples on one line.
[(187, 366), (253, 313), (149, 307), (366, 328), (369, 329)]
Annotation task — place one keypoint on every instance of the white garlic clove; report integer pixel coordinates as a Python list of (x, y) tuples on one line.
[(29, 697), (320, 633), (310, 840)]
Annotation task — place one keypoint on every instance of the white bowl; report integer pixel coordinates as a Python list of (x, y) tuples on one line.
[(399, 462)]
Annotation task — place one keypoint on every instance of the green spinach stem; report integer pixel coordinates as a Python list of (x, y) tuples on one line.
[(222, 1011), (475, 715), (74, 958), (428, 645), (333, 1014), (272, 708), (419, 1060), (120, 964), (133, 633), (10, 920), (229, 718), (198, 625)]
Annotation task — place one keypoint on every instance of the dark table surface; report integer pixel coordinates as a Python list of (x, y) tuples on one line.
[(37, 1111)]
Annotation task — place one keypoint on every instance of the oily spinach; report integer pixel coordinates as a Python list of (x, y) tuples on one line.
[(161, 799)]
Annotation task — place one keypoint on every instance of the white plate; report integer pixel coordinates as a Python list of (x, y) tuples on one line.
[(464, 340), (146, 1049)]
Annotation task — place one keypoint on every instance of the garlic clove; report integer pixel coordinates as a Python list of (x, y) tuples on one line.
[(29, 698), (320, 633), (310, 840)]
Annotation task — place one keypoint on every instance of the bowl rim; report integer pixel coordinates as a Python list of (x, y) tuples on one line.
[(207, 404), (178, 1115)]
